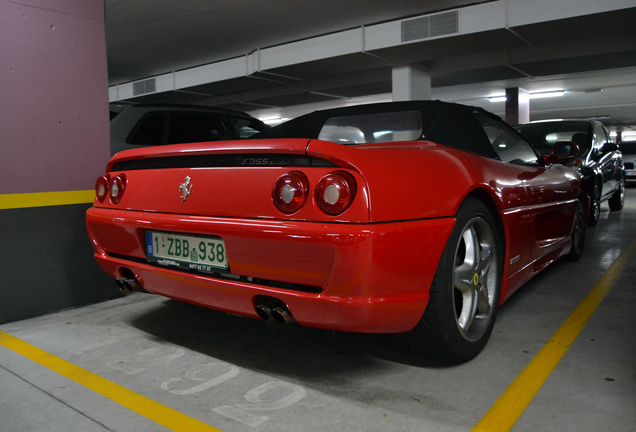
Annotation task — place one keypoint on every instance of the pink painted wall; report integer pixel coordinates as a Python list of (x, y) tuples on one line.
[(54, 122)]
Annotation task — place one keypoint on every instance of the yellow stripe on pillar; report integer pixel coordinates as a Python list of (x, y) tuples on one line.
[(45, 199)]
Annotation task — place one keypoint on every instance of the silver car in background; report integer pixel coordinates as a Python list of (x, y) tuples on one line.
[(628, 149)]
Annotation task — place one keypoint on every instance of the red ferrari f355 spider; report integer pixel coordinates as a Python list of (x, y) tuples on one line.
[(414, 217)]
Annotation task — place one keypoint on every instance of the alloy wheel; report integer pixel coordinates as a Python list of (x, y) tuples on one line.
[(475, 279)]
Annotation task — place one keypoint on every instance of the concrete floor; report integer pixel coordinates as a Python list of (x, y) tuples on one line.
[(237, 374)]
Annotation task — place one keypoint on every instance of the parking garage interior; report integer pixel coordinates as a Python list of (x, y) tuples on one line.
[(76, 354)]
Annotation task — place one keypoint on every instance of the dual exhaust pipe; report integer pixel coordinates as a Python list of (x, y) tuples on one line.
[(129, 282), (271, 309), (128, 285)]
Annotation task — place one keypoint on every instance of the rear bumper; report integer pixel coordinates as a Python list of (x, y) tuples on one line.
[(362, 277)]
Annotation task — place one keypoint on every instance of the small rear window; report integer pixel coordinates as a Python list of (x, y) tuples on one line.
[(373, 128), (628, 148), (149, 130)]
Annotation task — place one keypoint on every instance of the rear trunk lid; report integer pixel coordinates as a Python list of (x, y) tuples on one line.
[(229, 179)]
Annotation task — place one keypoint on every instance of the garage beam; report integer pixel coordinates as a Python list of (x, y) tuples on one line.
[(377, 38)]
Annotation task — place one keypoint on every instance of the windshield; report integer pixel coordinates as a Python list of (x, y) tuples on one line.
[(543, 136)]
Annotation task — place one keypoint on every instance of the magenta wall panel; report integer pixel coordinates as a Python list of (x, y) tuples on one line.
[(54, 122)]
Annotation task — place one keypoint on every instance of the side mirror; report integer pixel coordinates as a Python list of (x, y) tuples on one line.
[(562, 150), (609, 147)]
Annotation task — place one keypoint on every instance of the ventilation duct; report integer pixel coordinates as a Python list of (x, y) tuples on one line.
[(430, 26), (144, 87)]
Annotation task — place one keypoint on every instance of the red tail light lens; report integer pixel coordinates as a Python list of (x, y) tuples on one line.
[(101, 188), (335, 192), (117, 186), (290, 192)]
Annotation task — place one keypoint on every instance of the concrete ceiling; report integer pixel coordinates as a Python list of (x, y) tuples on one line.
[(585, 47)]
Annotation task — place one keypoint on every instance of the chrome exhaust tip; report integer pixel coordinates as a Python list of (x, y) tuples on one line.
[(264, 312), (128, 285), (282, 315), (272, 310)]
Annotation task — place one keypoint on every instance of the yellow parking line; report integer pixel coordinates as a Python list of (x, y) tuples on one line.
[(506, 410), (44, 199), (501, 417), (155, 411)]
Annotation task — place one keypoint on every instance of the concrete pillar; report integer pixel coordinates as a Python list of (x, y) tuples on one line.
[(54, 142), (410, 83), (517, 106)]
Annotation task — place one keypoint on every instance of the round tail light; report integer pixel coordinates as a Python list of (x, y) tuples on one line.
[(101, 188), (290, 192), (335, 192), (117, 186)]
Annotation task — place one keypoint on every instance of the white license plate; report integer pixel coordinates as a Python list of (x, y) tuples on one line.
[(191, 252)]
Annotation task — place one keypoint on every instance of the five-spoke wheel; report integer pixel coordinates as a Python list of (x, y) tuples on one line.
[(595, 204), (475, 279), (464, 295), (617, 201)]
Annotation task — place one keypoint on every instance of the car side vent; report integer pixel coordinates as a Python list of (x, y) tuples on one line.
[(430, 26), (144, 87)]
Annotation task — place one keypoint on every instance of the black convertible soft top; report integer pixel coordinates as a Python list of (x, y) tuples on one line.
[(450, 124)]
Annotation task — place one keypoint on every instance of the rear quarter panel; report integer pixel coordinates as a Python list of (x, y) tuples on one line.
[(424, 180), (534, 204)]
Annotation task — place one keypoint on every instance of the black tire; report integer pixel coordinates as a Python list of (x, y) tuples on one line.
[(595, 204), (464, 295), (617, 201), (578, 233)]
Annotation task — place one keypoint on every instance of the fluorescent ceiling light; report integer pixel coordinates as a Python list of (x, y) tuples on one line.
[(626, 135), (548, 120), (547, 94), (537, 95), (381, 133), (272, 121)]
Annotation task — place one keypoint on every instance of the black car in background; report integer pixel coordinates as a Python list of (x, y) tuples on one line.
[(598, 159), (143, 125)]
